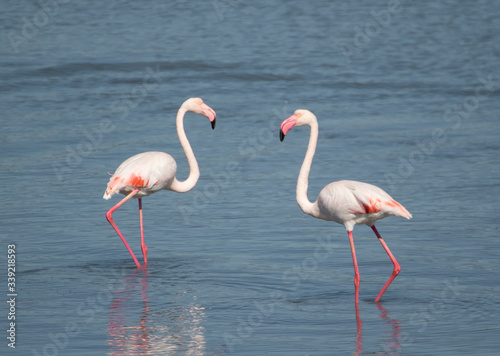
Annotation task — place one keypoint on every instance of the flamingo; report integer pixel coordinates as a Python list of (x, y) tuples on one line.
[(346, 202), (149, 172)]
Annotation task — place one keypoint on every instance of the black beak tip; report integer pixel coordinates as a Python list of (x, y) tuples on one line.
[(282, 135), (213, 124)]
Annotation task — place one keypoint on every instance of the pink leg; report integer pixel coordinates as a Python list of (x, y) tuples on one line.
[(110, 219), (143, 245), (397, 267), (357, 279)]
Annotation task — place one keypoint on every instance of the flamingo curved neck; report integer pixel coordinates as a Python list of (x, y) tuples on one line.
[(194, 171), (302, 182)]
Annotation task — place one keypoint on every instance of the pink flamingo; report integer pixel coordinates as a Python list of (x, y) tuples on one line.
[(149, 172), (345, 202)]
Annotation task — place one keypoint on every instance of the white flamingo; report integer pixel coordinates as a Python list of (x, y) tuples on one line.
[(346, 202), (149, 172)]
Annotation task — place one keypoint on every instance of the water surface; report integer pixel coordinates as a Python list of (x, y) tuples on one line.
[(409, 103)]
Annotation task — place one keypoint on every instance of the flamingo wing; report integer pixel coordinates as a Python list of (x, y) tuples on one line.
[(372, 199), (148, 171), (351, 202)]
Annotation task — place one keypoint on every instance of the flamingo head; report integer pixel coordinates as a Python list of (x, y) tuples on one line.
[(300, 117), (197, 106)]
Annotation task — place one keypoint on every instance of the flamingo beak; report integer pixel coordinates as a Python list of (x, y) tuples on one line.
[(287, 125), (209, 113)]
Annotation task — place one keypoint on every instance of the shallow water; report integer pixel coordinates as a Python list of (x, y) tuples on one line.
[(235, 267)]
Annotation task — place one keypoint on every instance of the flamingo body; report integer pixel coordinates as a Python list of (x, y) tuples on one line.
[(352, 203), (149, 172)]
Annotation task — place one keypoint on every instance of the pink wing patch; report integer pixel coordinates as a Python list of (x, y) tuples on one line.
[(399, 209), (132, 181), (393, 203), (373, 206), (136, 181), (113, 183), (376, 206)]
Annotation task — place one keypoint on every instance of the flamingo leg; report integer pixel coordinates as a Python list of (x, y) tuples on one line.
[(397, 267), (143, 245), (109, 214), (357, 279)]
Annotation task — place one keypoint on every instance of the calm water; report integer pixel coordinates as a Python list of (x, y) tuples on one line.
[(407, 98)]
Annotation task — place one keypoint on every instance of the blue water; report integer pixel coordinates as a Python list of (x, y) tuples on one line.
[(407, 98)]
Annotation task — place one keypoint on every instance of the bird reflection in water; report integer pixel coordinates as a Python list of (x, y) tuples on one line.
[(147, 330), (359, 330), (390, 347)]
